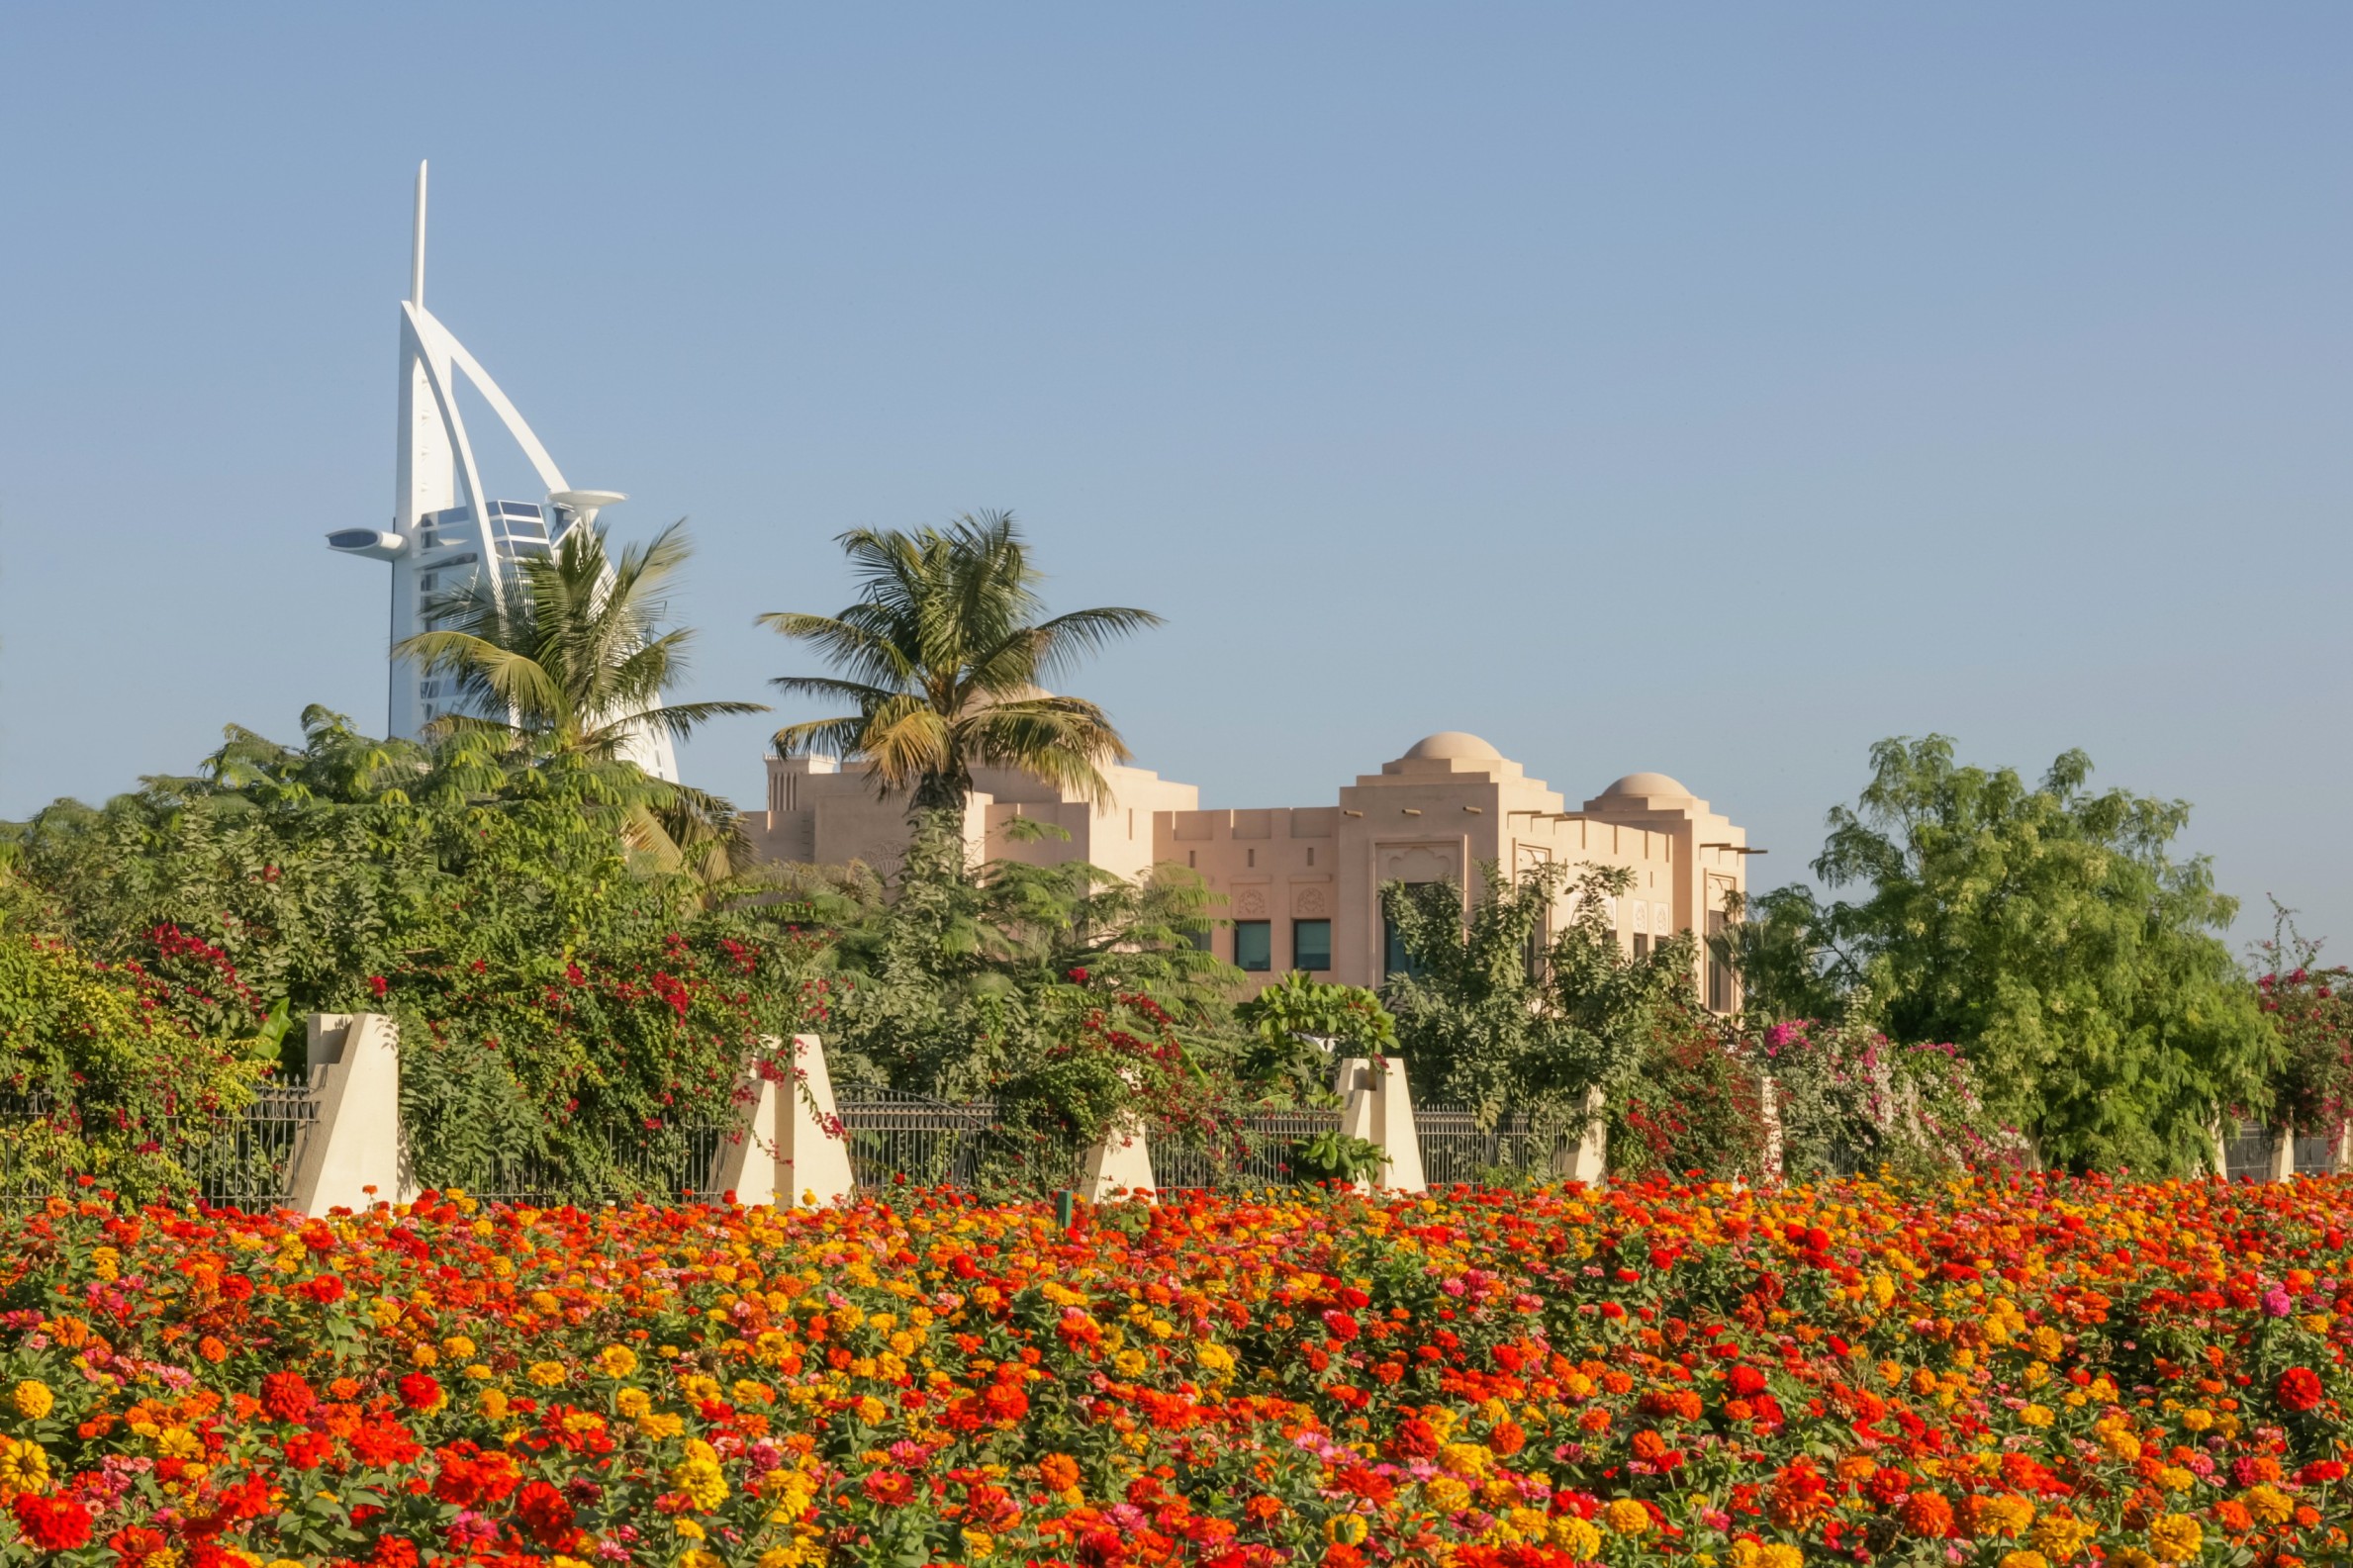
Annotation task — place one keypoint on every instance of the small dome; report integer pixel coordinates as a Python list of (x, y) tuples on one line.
[(1453, 744), (1648, 783)]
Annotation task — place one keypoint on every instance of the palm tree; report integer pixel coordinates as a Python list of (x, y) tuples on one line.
[(942, 657), (566, 663)]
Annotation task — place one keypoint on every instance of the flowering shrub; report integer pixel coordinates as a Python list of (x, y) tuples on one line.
[(102, 1071), (1848, 1098), (2310, 1008), (1997, 1373)]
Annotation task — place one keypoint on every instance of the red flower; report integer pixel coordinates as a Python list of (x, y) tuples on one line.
[(327, 1289), (53, 1524), (287, 1397), (545, 1516), (420, 1391), (2300, 1388), (378, 986), (890, 1488)]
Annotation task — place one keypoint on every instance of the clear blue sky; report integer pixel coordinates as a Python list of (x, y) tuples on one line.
[(1711, 389)]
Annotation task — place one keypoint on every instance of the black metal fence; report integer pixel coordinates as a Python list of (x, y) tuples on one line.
[(901, 1137), (1456, 1148), (1256, 1154), (246, 1162), (680, 1165)]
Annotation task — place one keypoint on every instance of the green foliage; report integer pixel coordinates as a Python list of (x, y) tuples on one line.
[(942, 659), (1691, 1105), (1299, 1026), (564, 660), (2045, 931), (562, 999), (1495, 1017), (99, 1076), (1337, 1156)]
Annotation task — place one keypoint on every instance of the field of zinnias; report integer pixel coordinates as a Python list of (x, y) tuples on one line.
[(2048, 1372)]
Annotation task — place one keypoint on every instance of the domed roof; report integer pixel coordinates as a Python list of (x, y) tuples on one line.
[(1648, 783), (1453, 744)]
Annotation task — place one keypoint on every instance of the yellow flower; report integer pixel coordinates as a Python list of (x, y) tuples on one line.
[(2176, 1538), (2035, 1415), (698, 1477), (24, 1467), (493, 1404), (1345, 1529), (977, 1545), (617, 1360), (1781, 1555), (1130, 1363), (1447, 1495), (547, 1374), (2059, 1537), (459, 1347), (2198, 1420), (2120, 1443), (33, 1399), (1468, 1459), (632, 1401), (1625, 1516), (1576, 1537), (2025, 1559), (660, 1424), (1214, 1359), (2269, 1504), (871, 1411)]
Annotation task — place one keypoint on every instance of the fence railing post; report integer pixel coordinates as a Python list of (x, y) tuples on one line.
[(813, 1151), (1376, 1105), (352, 1155), (1768, 1111), (2283, 1153)]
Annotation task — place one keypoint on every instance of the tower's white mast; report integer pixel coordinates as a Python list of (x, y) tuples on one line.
[(416, 247)]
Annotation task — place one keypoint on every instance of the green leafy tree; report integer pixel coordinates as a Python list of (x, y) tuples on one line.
[(566, 662), (941, 659), (1495, 1016), (1299, 1026), (2048, 933)]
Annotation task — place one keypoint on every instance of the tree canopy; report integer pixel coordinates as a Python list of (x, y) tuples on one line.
[(2049, 931), (942, 660)]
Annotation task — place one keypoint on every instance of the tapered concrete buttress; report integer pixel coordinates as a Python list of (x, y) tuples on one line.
[(352, 1155), (813, 1151), (748, 1166), (1120, 1160), (1377, 1104)]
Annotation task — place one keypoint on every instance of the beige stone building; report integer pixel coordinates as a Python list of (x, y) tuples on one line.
[(1303, 883)]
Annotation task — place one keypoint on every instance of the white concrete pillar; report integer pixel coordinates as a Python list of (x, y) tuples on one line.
[(2283, 1153), (1588, 1159), (355, 1145), (812, 1151), (1377, 1104), (747, 1167), (1121, 1159), (1768, 1111)]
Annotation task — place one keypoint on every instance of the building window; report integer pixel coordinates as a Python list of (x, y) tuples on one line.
[(1641, 946), (1204, 940), (1311, 945), (1254, 944), (1719, 973)]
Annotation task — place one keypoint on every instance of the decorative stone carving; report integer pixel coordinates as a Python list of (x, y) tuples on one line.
[(1311, 903), (1420, 863), (1250, 902)]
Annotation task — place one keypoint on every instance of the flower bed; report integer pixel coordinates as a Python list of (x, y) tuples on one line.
[(2014, 1375)]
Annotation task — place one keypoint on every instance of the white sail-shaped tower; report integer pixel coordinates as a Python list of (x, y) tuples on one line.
[(444, 530)]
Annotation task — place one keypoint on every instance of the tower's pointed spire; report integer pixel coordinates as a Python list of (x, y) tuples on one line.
[(417, 246)]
